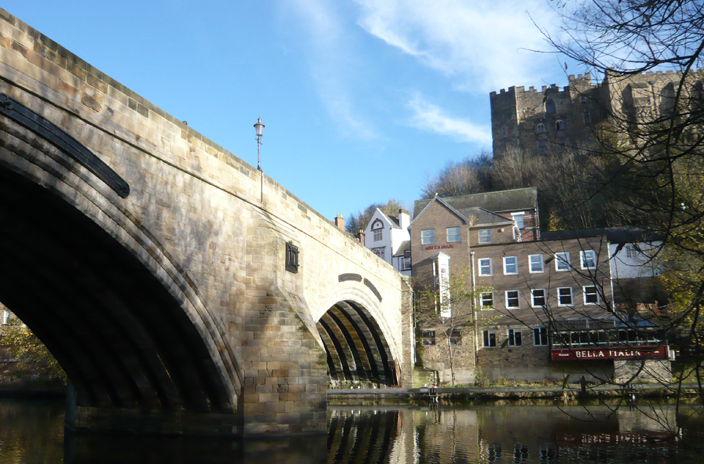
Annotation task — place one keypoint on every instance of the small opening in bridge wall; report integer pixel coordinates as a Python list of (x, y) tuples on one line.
[(291, 257)]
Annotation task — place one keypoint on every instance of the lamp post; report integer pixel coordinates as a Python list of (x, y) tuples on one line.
[(259, 127)]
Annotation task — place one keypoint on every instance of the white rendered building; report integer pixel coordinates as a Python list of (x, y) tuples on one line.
[(388, 237)]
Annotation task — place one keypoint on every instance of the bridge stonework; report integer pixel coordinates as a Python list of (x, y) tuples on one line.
[(167, 298)]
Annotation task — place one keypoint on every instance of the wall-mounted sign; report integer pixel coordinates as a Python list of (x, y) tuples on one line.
[(438, 247), (594, 354)]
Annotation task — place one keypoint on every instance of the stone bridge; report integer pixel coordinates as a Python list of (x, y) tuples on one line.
[(181, 290)]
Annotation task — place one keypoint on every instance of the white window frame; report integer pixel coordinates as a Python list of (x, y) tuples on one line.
[(512, 337), (378, 235), (562, 261), (540, 261), (520, 224), (596, 293), (491, 271), (559, 296), (515, 262), (486, 337), (538, 334), (481, 301), (427, 238), (517, 298), (583, 258), (484, 236), (458, 235), (532, 297)]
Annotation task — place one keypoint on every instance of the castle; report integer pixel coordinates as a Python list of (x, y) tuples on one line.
[(554, 118)]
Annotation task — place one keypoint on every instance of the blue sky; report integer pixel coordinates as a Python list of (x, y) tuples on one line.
[(362, 100)]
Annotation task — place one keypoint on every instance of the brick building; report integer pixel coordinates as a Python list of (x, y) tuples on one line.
[(537, 300)]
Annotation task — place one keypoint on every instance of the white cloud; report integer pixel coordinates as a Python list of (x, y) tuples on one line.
[(431, 118), (481, 45), (331, 60)]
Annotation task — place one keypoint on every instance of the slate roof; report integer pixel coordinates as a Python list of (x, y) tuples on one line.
[(497, 202), (475, 216), (405, 246)]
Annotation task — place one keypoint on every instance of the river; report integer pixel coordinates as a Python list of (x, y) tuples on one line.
[(31, 432)]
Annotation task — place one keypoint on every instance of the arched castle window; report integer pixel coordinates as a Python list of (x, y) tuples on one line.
[(667, 100), (540, 128), (550, 106), (559, 125), (697, 99)]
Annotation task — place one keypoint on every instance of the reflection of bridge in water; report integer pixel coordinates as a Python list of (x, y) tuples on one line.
[(176, 297)]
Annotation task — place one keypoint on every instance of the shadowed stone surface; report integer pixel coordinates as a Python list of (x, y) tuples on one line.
[(169, 304)]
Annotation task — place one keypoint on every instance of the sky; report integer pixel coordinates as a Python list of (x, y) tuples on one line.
[(363, 100)]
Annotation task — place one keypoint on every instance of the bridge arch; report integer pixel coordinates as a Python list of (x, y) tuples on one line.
[(120, 316), (356, 337)]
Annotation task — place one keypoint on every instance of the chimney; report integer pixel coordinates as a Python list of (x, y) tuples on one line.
[(360, 236), (340, 222), (404, 219)]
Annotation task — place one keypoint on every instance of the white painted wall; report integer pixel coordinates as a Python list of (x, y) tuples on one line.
[(638, 264)]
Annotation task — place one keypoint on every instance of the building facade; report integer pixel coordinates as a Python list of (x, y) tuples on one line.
[(542, 308), (387, 237), (553, 118)]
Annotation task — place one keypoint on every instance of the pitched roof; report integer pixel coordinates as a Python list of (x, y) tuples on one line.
[(497, 202), (474, 216), (405, 246)]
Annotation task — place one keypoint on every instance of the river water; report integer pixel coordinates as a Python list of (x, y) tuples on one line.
[(31, 432)]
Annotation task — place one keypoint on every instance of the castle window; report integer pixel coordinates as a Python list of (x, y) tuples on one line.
[(550, 106), (542, 147), (583, 99), (504, 131), (587, 118), (559, 125), (540, 128)]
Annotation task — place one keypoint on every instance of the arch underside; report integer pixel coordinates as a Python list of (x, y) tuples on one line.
[(122, 338), (355, 346)]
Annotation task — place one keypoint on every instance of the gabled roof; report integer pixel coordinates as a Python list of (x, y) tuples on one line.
[(392, 221), (474, 216), (497, 202)]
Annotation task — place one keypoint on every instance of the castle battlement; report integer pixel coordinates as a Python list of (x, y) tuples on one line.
[(520, 90)]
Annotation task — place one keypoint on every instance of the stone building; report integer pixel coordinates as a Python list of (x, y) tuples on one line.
[(553, 118)]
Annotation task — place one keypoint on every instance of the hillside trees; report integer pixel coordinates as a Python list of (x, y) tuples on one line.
[(472, 175)]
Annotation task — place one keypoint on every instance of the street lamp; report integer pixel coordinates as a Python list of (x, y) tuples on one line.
[(259, 127)]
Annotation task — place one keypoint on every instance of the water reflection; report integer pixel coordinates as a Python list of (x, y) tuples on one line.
[(32, 432)]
